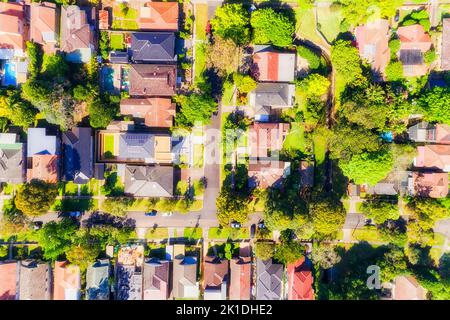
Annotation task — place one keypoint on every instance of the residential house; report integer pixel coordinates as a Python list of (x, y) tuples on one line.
[(445, 51), (372, 41), (133, 147), (271, 65), (215, 278), (429, 184), (78, 33), (185, 284), (44, 26), (265, 174), (267, 97), (153, 47), (266, 139), (12, 164), (240, 278), (158, 16), (269, 283), (78, 150), (103, 19), (42, 156), (407, 288), (97, 280), (154, 112), (433, 157), (13, 30), (152, 80), (429, 132), (306, 174), (34, 280), (156, 279), (9, 278), (385, 188), (300, 280), (67, 281), (128, 275), (149, 181), (414, 42)]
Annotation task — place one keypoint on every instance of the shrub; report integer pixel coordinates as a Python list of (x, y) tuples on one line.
[(394, 71), (312, 58), (394, 45), (430, 56)]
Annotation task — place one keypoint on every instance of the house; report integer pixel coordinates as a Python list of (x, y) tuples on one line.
[(372, 40), (407, 288), (265, 174), (134, 147), (155, 112), (273, 95), (34, 280), (42, 156), (184, 283), (240, 278), (78, 33), (414, 42), (149, 181), (67, 281), (158, 16), (9, 278), (306, 174), (429, 184), (12, 164), (300, 280), (156, 279), (445, 52), (215, 278), (386, 188), (269, 283), (103, 19), (152, 80), (266, 139), (429, 132), (433, 157), (148, 47), (128, 275), (78, 150), (97, 280), (13, 30), (43, 25), (271, 65)]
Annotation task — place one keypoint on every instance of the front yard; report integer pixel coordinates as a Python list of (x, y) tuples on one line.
[(228, 233), (157, 233)]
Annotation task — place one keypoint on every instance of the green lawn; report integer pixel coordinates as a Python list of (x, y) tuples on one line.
[(157, 233), (193, 233), (228, 233), (306, 25), (198, 155), (123, 21), (201, 19), (200, 61), (369, 234), (116, 41), (227, 94), (295, 140), (67, 205), (329, 21), (108, 145), (320, 147)]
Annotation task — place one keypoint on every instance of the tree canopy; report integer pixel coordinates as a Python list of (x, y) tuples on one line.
[(380, 210), (345, 59), (289, 252), (36, 197), (435, 105), (194, 107), (232, 21), (55, 238), (223, 55), (272, 27), (264, 250), (327, 215)]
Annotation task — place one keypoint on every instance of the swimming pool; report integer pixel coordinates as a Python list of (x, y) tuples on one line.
[(108, 79), (9, 78)]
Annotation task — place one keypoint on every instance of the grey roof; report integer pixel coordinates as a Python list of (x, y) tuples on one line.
[(40, 143), (153, 46), (78, 155), (97, 286), (11, 159), (149, 181), (156, 276), (269, 280), (273, 94), (184, 276), (383, 188), (34, 280), (411, 57), (136, 145), (118, 57)]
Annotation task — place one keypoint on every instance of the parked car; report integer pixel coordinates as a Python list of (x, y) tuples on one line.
[(75, 214), (252, 231), (167, 214), (37, 225), (261, 225), (151, 213), (235, 225)]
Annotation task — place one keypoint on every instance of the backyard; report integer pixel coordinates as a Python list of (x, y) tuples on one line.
[(124, 18), (109, 145), (116, 41), (329, 22), (295, 140)]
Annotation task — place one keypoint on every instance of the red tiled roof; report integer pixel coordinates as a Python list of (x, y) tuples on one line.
[(157, 112), (12, 33), (300, 281), (44, 167), (414, 37), (152, 80), (159, 16), (266, 174), (240, 278), (66, 277), (8, 279), (443, 133), (445, 52), (267, 136), (433, 157), (431, 184), (103, 16), (43, 20), (215, 271)]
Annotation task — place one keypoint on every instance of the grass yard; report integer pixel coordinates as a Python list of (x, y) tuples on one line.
[(306, 25), (369, 234), (295, 140), (123, 21), (200, 61), (193, 233), (157, 233), (320, 147), (329, 22), (197, 205), (116, 41), (201, 19), (227, 94), (70, 189), (198, 155), (109, 145), (228, 233)]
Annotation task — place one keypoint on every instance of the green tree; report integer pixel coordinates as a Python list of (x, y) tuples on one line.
[(315, 85), (325, 255), (289, 252), (278, 220), (271, 27), (394, 71), (54, 67), (116, 206), (430, 56), (394, 46), (194, 107), (380, 210), (224, 56), (312, 58), (346, 61), (231, 206), (244, 83), (392, 264), (370, 167), (36, 197), (264, 250), (34, 53), (327, 215), (55, 238), (84, 250), (101, 112), (435, 105), (232, 21), (14, 108)]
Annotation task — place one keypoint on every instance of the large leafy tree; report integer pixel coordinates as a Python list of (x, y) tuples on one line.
[(368, 167), (14, 108), (289, 252), (278, 220), (272, 27), (232, 206), (327, 215), (223, 55), (356, 12), (55, 238), (393, 263), (380, 210), (232, 21), (102, 111), (194, 107), (35, 198), (84, 249), (116, 206), (315, 85), (325, 256), (435, 105), (264, 250), (346, 61)]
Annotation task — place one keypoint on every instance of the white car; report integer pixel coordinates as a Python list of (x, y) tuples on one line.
[(167, 214)]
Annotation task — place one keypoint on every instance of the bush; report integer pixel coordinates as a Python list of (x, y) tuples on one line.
[(312, 58), (394, 45), (430, 56), (272, 27), (264, 250), (394, 71), (426, 24)]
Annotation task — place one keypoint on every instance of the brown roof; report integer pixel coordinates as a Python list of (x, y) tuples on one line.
[(215, 272), (407, 288), (43, 25), (158, 16), (67, 281), (156, 280), (414, 37), (152, 80), (431, 184), (12, 27), (266, 137), (75, 30), (34, 283), (445, 54), (266, 174), (157, 112), (8, 280), (240, 278), (43, 167)]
